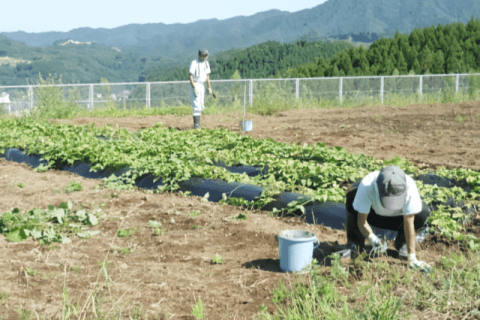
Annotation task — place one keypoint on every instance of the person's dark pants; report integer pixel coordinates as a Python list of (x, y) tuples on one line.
[(355, 237)]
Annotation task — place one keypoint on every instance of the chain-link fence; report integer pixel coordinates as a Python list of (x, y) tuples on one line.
[(231, 93)]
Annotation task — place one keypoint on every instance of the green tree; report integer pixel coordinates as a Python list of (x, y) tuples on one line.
[(415, 39), (438, 62), (344, 63), (454, 60), (417, 69), (236, 75), (335, 71), (402, 64), (425, 58)]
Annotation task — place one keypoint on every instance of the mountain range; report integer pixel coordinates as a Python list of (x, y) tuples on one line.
[(360, 20)]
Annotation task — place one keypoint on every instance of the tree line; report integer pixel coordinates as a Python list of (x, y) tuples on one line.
[(453, 48)]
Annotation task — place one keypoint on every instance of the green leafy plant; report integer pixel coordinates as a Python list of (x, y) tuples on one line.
[(3, 297), (54, 224), (241, 216), (217, 259), (123, 233), (159, 232), (73, 186), (198, 310), (21, 185), (195, 213), (154, 224)]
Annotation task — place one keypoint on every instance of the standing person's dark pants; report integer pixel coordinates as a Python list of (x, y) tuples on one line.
[(354, 236)]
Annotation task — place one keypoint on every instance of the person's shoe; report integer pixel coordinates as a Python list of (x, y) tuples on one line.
[(196, 122)]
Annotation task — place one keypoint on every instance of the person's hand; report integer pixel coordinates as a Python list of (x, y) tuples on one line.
[(376, 243), (419, 265), (210, 90)]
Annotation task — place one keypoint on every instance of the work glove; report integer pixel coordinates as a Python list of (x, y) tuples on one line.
[(418, 265), (377, 244), (211, 92)]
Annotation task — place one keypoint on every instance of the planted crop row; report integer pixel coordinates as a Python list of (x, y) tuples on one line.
[(316, 170)]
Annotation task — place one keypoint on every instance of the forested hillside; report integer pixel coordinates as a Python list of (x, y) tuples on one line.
[(453, 48), (74, 63), (264, 60)]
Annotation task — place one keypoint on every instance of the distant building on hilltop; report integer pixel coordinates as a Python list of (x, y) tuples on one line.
[(4, 97), (74, 42)]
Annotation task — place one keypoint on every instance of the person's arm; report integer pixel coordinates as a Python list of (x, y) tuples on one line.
[(208, 83), (410, 232), (191, 80), (363, 225)]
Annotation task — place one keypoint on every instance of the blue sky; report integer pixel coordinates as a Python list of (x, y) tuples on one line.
[(61, 15)]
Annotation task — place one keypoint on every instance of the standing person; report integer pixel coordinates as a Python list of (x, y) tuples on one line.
[(199, 73), (386, 199)]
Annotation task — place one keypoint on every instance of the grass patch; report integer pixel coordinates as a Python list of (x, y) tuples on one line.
[(195, 213), (198, 310), (159, 232), (379, 290), (123, 233), (73, 186), (3, 297)]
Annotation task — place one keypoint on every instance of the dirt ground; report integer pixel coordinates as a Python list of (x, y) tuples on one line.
[(167, 274)]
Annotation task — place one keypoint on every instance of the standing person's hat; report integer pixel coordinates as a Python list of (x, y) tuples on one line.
[(392, 187), (203, 52)]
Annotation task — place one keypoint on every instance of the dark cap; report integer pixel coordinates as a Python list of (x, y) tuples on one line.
[(392, 187), (203, 52)]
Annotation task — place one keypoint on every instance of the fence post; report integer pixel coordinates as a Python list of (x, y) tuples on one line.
[(340, 90), (457, 80), (381, 87), (90, 96), (148, 95), (250, 94), (30, 92), (420, 86), (297, 88)]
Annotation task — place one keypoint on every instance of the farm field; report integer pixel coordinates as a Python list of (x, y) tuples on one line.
[(428, 135), (161, 273)]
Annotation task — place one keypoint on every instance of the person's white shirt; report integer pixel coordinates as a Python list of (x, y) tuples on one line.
[(199, 70), (368, 197)]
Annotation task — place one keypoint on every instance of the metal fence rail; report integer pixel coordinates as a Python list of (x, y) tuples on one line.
[(16, 99)]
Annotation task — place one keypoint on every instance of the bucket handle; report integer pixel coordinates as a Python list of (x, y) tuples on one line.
[(315, 242)]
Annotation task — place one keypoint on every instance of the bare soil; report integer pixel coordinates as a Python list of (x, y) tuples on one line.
[(167, 274)]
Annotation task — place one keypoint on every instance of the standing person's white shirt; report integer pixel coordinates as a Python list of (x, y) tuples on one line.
[(199, 70)]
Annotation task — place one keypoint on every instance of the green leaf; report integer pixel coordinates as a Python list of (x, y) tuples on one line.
[(154, 224), (17, 235), (92, 220), (87, 234), (81, 215), (65, 240)]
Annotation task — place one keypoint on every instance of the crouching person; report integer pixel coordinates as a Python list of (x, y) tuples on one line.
[(386, 199)]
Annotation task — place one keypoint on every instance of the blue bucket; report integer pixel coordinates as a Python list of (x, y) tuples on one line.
[(247, 125), (296, 249)]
